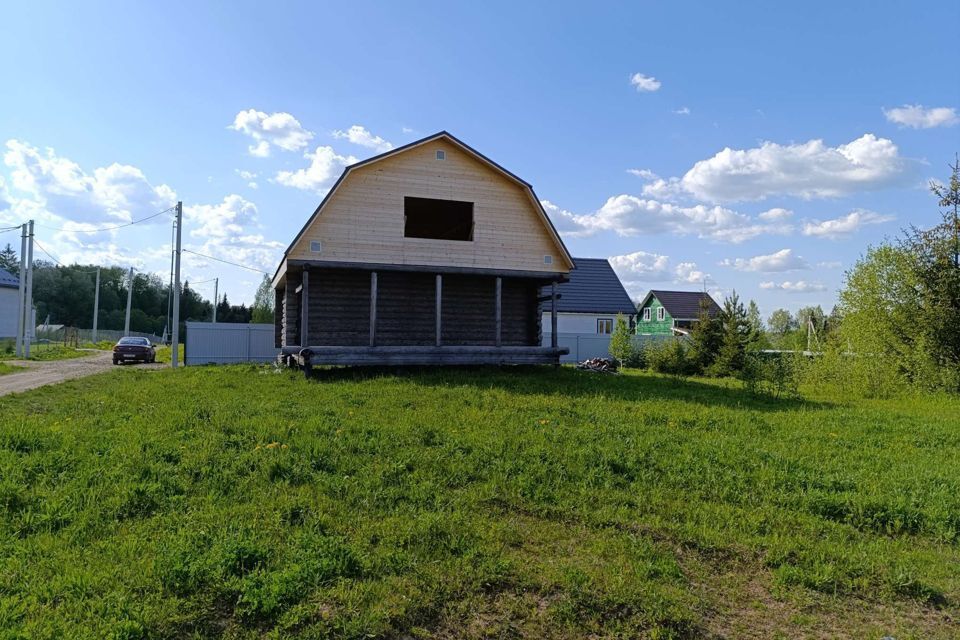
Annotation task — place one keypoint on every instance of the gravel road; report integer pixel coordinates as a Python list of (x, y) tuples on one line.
[(39, 373)]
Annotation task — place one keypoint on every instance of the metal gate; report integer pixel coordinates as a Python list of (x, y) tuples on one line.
[(228, 343)]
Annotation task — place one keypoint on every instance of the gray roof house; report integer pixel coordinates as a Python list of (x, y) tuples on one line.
[(589, 301), (9, 304)]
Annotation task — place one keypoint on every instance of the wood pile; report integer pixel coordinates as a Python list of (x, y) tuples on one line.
[(600, 365)]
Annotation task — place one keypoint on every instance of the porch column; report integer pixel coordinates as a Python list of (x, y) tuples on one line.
[(439, 296), (305, 308), (553, 315), (373, 308), (497, 311)]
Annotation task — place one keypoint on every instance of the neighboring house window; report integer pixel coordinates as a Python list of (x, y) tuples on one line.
[(605, 326), (661, 314), (646, 314)]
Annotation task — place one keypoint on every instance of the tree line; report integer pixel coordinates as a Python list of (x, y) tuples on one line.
[(65, 295)]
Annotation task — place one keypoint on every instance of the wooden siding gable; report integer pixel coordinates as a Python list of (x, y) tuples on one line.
[(362, 220)]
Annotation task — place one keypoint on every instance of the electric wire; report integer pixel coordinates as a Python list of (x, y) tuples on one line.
[(234, 264), (111, 228)]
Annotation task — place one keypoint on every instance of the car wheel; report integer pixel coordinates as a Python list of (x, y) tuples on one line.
[(116, 362)]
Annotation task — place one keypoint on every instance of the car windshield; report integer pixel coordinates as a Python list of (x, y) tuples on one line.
[(140, 341)]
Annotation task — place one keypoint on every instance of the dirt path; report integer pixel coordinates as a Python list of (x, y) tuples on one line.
[(41, 373)]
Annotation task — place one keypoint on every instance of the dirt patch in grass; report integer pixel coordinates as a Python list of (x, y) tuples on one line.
[(742, 600)]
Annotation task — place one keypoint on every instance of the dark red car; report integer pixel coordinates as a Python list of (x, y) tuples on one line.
[(134, 350)]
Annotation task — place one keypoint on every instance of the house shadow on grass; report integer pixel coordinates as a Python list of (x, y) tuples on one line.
[(570, 382)]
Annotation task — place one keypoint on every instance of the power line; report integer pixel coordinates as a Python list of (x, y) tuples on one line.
[(119, 226), (234, 264), (49, 255)]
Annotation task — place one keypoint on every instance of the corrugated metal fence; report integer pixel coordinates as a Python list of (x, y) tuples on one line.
[(584, 346), (228, 343)]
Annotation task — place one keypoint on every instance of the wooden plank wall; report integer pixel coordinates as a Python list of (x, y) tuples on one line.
[(291, 312), (364, 219), (278, 318)]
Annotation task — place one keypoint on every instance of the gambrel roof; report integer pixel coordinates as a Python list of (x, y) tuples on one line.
[(527, 187)]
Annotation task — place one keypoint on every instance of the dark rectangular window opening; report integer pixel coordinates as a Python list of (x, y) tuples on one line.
[(437, 219)]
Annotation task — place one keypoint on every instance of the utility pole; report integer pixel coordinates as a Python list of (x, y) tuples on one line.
[(28, 303), (175, 341), (96, 307), (216, 284), (126, 318), (22, 289)]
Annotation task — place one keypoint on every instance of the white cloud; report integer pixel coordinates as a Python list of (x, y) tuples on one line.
[(646, 174), (58, 187), (628, 215), (564, 221), (807, 170), (777, 213), (228, 218), (644, 83), (279, 129), (406, 130), (800, 286), (783, 260), (829, 264), (638, 269), (360, 136), (916, 116), (250, 177), (325, 166), (845, 225), (682, 111)]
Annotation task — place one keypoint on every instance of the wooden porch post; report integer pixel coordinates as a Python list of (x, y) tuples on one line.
[(497, 313), (439, 295), (373, 308), (305, 307), (553, 315)]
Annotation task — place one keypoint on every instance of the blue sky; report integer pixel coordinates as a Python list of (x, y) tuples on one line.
[(762, 146)]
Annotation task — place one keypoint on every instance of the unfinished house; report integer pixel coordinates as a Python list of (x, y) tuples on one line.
[(427, 254)]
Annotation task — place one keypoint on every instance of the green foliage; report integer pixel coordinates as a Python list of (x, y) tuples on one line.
[(239, 502), (735, 338), (672, 357), (781, 322), (777, 375), (9, 261), (621, 342), (705, 338), (263, 301)]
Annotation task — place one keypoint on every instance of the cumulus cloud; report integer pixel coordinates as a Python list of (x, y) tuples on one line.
[(916, 116), (800, 286), (279, 130), (806, 170), (646, 174), (644, 83), (628, 215), (361, 136), (228, 218), (250, 177), (844, 226), (564, 221), (783, 260), (638, 269), (58, 187), (777, 213), (325, 165)]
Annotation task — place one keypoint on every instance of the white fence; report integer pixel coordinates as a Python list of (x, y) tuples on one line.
[(228, 343), (584, 346)]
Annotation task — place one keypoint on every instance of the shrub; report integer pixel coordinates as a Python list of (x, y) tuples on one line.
[(621, 342), (776, 375), (672, 357)]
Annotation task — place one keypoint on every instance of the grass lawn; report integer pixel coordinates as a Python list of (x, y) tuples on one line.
[(241, 502), (48, 352), (8, 368)]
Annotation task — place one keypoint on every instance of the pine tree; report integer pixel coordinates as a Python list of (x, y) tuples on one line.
[(621, 342), (705, 338), (9, 261), (735, 338)]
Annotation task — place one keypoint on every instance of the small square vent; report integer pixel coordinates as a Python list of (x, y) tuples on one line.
[(315, 246), (547, 259), (441, 155)]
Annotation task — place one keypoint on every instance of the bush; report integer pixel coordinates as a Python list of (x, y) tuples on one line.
[(621, 342), (672, 357), (776, 375)]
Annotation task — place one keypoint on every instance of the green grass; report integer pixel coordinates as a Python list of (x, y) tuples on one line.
[(47, 352), (242, 502), (8, 368)]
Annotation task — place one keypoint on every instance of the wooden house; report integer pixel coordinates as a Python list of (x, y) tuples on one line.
[(430, 253), (672, 312)]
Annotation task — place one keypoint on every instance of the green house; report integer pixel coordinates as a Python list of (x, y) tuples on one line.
[(672, 312)]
